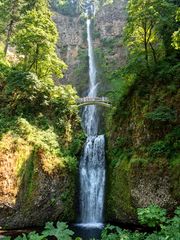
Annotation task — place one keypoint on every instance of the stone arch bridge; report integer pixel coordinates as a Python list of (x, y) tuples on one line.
[(102, 101)]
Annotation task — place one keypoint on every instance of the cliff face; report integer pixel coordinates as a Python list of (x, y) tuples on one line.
[(142, 152), (109, 24), (35, 187), (69, 45), (107, 30), (108, 38)]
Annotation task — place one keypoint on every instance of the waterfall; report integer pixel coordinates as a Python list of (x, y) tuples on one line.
[(92, 163), (90, 118)]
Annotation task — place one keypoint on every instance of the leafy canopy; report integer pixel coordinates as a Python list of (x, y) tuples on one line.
[(144, 33), (35, 40)]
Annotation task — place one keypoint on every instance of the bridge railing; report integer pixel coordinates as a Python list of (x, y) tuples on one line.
[(93, 99)]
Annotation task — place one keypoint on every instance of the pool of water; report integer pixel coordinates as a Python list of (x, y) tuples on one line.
[(87, 231)]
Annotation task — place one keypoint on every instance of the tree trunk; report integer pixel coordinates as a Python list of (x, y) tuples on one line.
[(13, 14), (9, 32), (146, 47), (153, 52)]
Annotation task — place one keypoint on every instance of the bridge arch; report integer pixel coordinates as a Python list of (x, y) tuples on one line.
[(85, 101)]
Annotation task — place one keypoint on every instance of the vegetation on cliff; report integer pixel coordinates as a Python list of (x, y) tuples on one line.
[(40, 132), (30, 102), (76, 7), (143, 131)]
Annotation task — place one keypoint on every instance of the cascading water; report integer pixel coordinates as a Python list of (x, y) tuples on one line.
[(92, 164), (90, 117)]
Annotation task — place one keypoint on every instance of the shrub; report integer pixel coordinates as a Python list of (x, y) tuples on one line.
[(115, 233), (158, 148), (61, 231), (152, 215), (162, 113), (168, 146)]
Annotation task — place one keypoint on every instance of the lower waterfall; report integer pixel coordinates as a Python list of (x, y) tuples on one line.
[(92, 180)]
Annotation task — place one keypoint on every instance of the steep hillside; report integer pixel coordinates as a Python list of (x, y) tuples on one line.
[(143, 157), (143, 149), (40, 131)]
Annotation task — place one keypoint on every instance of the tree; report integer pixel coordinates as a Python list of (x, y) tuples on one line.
[(9, 15), (144, 35), (35, 40), (176, 34)]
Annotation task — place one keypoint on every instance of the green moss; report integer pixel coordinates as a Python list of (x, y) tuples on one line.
[(175, 177), (119, 204), (29, 173), (81, 72), (68, 199), (162, 113)]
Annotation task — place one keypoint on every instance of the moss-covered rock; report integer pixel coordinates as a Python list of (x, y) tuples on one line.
[(137, 184), (35, 186), (143, 150), (119, 203)]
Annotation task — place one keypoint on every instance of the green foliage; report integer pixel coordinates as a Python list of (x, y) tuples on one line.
[(115, 233), (122, 81), (152, 215), (29, 236), (144, 36), (61, 231), (44, 115), (10, 13), (162, 113), (176, 40), (66, 7), (151, 57), (35, 39), (24, 91), (170, 229), (168, 146), (158, 148), (32, 107), (176, 34), (6, 238)]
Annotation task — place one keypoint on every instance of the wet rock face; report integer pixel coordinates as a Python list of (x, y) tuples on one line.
[(152, 184), (111, 19), (72, 45), (70, 30), (143, 167), (136, 185), (32, 189), (70, 42), (110, 51)]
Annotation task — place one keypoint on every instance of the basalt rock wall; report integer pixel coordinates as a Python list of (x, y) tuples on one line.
[(107, 29)]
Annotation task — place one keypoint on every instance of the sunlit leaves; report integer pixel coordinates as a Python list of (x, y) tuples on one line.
[(35, 39), (144, 29), (176, 34)]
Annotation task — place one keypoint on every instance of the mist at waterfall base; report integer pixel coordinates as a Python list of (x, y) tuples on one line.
[(92, 162)]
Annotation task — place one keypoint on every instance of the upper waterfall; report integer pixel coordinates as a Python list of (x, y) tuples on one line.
[(90, 117)]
